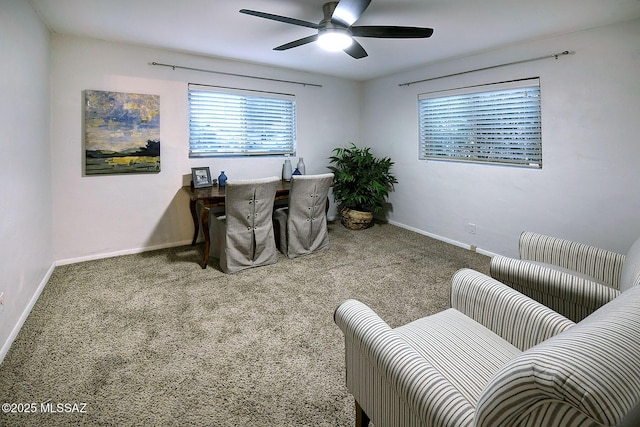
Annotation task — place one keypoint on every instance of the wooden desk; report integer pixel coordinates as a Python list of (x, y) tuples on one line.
[(212, 197)]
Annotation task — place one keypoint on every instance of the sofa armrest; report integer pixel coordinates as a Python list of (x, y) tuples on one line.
[(517, 318), (603, 265), (418, 383), (589, 375), (546, 282)]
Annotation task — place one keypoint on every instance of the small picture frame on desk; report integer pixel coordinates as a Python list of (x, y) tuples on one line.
[(201, 177)]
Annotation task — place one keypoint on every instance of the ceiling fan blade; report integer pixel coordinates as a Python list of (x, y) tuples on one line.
[(391, 32), (297, 43), (356, 50), (279, 18), (348, 11)]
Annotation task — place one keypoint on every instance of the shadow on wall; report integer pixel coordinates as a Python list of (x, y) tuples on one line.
[(175, 226)]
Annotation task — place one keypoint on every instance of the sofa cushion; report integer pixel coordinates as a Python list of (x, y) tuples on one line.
[(462, 350)]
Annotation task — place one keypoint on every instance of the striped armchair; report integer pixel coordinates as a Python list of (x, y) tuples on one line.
[(496, 358), (571, 278)]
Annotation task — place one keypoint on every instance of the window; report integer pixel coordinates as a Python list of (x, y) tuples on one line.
[(497, 123), (228, 122)]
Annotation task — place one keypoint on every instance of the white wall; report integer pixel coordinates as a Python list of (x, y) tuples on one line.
[(587, 189), (95, 216), (26, 255), (50, 212)]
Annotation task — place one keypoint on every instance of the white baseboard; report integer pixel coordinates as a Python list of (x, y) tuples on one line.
[(23, 317), (120, 253), (441, 238)]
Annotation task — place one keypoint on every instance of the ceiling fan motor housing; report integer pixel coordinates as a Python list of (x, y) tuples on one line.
[(327, 10)]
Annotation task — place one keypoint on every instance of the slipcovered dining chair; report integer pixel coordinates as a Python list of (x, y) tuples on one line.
[(496, 358), (301, 227), (571, 278), (243, 237)]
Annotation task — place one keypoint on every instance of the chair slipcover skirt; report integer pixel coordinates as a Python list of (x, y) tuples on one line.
[(302, 226), (243, 237)]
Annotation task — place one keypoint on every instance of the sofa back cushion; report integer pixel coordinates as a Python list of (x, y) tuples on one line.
[(631, 267), (590, 372)]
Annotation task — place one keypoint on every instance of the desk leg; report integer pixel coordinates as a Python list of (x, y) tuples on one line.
[(207, 238), (194, 215)]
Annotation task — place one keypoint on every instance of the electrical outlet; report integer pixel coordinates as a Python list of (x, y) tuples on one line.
[(471, 228)]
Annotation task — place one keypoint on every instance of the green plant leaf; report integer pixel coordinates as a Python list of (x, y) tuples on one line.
[(361, 180)]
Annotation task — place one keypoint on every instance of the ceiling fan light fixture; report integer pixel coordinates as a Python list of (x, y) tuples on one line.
[(334, 39)]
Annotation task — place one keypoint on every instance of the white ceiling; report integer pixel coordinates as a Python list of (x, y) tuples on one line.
[(216, 28)]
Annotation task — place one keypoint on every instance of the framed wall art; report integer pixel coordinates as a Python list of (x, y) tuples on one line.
[(201, 177), (122, 133)]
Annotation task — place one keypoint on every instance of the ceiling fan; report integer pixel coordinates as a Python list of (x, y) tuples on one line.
[(335, 30)]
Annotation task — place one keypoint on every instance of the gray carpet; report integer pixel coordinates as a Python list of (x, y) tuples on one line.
[(152, 339)]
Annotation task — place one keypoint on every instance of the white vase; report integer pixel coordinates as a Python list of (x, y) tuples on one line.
[(286, 170)]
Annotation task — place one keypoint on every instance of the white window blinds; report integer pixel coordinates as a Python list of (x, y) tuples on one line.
[(224, 122), (498, 123)]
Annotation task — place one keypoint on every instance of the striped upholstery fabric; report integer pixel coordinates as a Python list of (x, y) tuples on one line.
[(574, 296), (390, 380), (462, 350), (571, 278), (433, 371), (602, 265), (509, 314), (586, 376)]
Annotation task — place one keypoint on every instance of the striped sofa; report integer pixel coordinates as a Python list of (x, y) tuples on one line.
[(495, 358), (571, 278)]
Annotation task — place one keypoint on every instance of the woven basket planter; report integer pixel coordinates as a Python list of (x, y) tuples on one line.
[(356, 220)]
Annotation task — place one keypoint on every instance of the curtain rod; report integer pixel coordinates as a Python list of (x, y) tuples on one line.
[(555, 55), (235, 75), (242, 90)]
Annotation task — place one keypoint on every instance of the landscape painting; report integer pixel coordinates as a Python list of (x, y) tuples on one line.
[(122, 133)]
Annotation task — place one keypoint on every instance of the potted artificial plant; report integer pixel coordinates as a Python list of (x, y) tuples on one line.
[(361, 184)]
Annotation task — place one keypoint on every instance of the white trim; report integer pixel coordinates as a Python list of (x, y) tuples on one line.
[(120, 253), (23, 318), (443, 239)]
